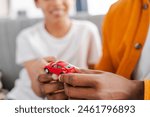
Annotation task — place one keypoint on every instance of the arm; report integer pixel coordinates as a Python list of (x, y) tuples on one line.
[(105, 63), (26, 56), (147, 89), (95, 47)]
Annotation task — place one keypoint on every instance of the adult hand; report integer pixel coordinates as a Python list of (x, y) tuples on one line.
[(53, 90), (91, 84), (35, 68)]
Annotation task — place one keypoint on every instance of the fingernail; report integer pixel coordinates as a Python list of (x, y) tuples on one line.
[(55, 77), (60, 78)]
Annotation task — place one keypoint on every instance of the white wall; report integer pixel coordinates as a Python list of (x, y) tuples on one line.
[(24, 5), (29, 7), (3, 8), (96, 7)]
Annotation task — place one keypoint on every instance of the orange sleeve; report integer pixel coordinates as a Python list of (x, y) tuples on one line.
[(105, 63), (147, 90)]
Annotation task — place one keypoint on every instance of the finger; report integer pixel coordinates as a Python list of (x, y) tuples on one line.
[(88, 71), (57, 96), (52, 87), (75, 98), (44, 61), (59, 91), (74, 79), (79, 92), (45, 78), (40, 71)]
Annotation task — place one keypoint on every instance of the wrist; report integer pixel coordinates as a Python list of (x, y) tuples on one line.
[(138, 90)]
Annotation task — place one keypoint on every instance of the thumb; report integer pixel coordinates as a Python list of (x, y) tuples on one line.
[(50, 59), (47, 60)]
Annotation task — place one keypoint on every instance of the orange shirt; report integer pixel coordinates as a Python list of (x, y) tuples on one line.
[(124, 32)]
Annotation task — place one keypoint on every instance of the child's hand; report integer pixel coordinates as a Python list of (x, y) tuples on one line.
[(53, 90), (35, 68)]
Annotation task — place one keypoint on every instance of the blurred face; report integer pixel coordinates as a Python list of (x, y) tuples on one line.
[(54, 9)]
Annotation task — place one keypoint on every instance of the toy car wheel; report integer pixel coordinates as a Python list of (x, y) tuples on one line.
[(54, 76), (46, 70)]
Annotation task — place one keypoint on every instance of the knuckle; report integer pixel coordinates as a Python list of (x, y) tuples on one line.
[(40, 78), (97, 95), (71, 79), (47, 88), (96, 83), (58, 86)]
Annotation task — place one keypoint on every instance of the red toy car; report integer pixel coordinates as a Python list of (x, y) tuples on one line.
[(59, 67)]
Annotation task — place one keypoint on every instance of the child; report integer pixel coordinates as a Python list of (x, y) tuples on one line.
[(76, 42)]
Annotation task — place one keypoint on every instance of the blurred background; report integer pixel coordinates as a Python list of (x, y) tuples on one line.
[(15, 15), (26, 8)]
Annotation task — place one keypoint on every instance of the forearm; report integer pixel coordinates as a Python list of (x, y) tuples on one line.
[(34, 84), (33, 74)]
